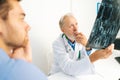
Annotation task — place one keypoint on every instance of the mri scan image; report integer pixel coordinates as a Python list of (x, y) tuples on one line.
[(106, 25)]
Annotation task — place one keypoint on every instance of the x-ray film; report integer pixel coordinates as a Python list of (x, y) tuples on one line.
[(106, 25)]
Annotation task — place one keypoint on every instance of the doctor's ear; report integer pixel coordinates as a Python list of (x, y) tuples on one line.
[(62, 29)]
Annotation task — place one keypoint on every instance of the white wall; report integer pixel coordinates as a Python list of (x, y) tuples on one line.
[(43, 17), (85, 11)]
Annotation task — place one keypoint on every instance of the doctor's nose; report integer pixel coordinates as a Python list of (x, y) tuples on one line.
[(75, 28), (28, 27)]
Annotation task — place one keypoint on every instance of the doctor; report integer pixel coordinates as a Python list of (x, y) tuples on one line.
[(70, 55)]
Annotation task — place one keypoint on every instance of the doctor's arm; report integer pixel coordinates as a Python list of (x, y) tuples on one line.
[(102, 54)]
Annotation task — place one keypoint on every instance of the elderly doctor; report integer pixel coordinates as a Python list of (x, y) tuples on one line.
[(70, 55)]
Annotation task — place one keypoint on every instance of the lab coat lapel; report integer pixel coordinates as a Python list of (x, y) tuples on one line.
[(77, 49), (69, 49)]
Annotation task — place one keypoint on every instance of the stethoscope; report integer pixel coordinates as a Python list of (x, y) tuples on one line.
[(68, 48)]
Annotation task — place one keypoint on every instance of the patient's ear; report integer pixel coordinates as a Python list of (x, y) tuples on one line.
[(1, 25)]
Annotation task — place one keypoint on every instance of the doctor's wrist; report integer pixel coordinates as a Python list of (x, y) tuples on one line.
[(88, 48)]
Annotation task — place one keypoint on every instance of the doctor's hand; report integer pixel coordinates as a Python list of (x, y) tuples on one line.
[(24, 53), (81, 38), (102, 54)]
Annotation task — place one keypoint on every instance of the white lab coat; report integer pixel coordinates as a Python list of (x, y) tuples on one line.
[(66, 59)]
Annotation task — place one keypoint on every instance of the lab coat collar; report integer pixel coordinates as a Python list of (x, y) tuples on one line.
[(70, 50)]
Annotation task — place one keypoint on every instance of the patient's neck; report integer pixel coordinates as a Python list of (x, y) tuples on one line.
[(6, 48)]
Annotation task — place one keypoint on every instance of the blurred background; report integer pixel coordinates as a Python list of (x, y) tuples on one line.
[(43, 17)]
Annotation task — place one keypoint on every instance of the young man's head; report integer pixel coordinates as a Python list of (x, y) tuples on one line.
[(68, 25), (13, 28)]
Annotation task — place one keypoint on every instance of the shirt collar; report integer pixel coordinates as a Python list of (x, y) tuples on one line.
[(3, 55), (72, 44)]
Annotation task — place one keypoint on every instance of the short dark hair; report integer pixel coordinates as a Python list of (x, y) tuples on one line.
[(4, 8)]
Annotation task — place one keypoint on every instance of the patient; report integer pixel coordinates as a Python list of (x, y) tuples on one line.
[(70, 54), (15, 50)]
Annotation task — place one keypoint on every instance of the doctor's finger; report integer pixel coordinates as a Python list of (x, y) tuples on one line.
[(110, 48)]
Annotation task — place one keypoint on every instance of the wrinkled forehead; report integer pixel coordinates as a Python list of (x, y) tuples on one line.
[(69, 19), (15, 12), (15, 6), (6, 6), (13, 3)]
